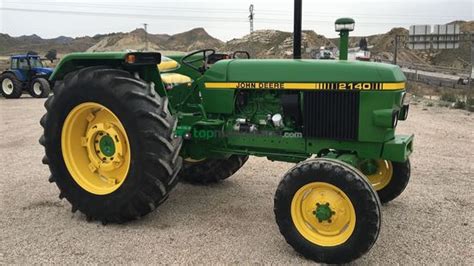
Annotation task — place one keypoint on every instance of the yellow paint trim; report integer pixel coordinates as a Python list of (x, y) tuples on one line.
[(393, 86), (307, 86), (221, 85)]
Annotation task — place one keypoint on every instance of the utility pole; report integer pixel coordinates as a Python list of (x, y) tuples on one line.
[(297, 29), (251, 16), (395, 52), (145, 25)]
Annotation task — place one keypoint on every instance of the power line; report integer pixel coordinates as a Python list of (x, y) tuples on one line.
[(207, 10), (279, 21)]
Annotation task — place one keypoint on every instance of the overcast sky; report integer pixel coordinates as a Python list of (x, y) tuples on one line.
[(223, 19)]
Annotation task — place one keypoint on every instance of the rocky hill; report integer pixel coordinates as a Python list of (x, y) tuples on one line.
[(136, 40), (383, 47), (260, 44), (275, 44), (14, 45)]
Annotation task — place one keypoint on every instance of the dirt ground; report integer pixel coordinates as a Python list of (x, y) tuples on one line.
[(232, 222)]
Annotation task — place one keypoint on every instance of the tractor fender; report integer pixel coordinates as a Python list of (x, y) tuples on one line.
[(76, 61), (18, 74)]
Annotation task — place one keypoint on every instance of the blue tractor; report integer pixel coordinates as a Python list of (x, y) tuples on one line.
[(26, 73)]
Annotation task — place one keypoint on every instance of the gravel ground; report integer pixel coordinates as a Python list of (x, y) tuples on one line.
[(232, 222)]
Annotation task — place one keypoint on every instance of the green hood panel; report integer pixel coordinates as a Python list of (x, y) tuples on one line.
[(289, 70)]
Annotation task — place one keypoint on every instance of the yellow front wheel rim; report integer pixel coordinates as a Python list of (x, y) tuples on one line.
[(323, 214), (382, 177), (95, 148)]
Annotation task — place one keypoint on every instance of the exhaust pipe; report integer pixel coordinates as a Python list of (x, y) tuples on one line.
[(297, 29)]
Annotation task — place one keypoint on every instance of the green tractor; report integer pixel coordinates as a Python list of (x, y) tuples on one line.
[(120, 133)]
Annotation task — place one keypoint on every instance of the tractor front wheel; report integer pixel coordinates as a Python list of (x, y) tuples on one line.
[(388, 178), (11, 86), (40, 88), (327, 211), (110, 145), (211, 170)]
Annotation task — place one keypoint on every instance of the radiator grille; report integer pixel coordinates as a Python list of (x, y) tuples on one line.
[(331, 114)]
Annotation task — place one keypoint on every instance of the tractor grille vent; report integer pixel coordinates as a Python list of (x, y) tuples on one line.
[(331, 114)]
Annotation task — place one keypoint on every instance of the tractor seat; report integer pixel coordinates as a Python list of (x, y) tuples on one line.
[(174, 79), (170, 79), (167, 64)]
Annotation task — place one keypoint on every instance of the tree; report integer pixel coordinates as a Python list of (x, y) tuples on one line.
[(363, 44), (51, 55)]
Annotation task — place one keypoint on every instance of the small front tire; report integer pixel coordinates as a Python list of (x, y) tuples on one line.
[(390, 179), (40, 88), (327, 211)]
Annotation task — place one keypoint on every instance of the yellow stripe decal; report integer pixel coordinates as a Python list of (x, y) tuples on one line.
[(306, 86)]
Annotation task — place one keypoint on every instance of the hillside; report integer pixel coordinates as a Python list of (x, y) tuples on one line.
[(383, 47), (260, 44), (14, 45), (275, 44), (191, 40)]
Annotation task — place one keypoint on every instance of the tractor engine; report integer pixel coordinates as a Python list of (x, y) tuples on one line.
[(268, 112)]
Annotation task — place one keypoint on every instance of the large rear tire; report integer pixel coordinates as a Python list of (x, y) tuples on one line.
[(11, 87), (40, 88), (109, 144), (211, 170), (327, 211)]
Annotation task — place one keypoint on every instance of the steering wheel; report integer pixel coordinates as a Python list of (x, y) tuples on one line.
[(241, 52), (189, 62)]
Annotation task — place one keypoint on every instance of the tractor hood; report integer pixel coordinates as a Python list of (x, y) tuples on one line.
[(290, 70), (43, 71)]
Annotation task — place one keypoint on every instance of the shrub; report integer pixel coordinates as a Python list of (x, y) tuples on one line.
[(459, 105), (448, 97)]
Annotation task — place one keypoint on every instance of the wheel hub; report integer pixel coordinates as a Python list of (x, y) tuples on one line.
[(107, 145), (379, 172), (37, 88), (105, 151), (7, 86), (323, 212)]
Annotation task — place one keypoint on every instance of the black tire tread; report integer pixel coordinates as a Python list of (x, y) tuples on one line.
[(212, 170), (398, 183)]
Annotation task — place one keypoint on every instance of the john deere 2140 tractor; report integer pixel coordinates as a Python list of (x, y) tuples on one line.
[(119, 133)]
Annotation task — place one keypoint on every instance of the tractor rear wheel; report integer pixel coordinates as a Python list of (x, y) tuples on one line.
[(110, 145), (327, 211), (211, 170), (389, 178), (11, 86), (40, 88)]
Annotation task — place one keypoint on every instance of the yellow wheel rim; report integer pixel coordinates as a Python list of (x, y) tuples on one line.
[(95, 148), (323, 214), (383, 176)]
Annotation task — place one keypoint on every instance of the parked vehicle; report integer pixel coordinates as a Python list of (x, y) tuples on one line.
[(26, 73)]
